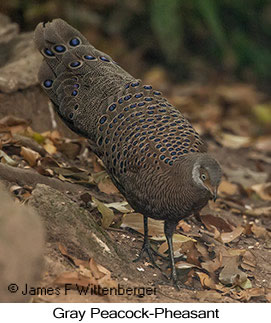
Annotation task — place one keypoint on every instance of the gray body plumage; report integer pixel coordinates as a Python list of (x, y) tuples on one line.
[(152, 153)]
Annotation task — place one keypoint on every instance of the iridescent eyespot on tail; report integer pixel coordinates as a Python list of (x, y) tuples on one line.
[(60, 49), (104, 59), (47, 52), (75, 64), (89, 57), (75, 42), (48, 84)]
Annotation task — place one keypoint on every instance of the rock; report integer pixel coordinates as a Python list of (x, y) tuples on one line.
[(21, 248), (20, 92)]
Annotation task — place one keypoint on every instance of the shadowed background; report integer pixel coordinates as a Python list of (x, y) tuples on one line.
[(193, 39)]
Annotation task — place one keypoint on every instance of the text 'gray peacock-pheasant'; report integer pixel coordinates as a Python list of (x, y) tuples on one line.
[(152, 153)]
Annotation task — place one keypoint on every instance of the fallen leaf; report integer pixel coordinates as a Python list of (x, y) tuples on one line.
[(122, 207), (189, 249), (227, 188), (177, 240), (49, 147), (259, 156), (246, 295), (231, 274), (135, 221), (6, 159), (227, 237), (95, 270), (184, 226), (206, 281), (212, 265), (246, 284), (260, 211), (30, 156), (263, 190), (14, 124), (259, 232), (106, 212), (75, 279), (268, 297), (263, 144), (73, 174), (107, 186), (185, 265), (76, 261), (210, 221), (69, 149)]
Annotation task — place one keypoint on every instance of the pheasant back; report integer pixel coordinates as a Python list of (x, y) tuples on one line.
[(128, 123)]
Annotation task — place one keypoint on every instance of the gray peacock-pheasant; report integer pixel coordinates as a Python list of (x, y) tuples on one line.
[(152, 153)]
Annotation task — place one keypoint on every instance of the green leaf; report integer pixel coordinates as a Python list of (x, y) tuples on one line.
[(246, 284), (210, 12)]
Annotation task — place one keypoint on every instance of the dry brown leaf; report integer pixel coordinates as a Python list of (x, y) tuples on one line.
[(227, 237), (106, 212), (263, 190), (101, 274), (263, 144), (212, 265), (247, 294), (206, 281), (97, 165), (184, 226), (231, 274), (202, 249), (49, 147), (189, 249), (54, 135), (122, 207), (74, 278), (185, 265), (69, 149), (268, 297), (259, 156), (107, 186), (76, 261), (14, 124), (177, 240), (135, 221), (259, 232), (30, 156), (211, 221), (227, 188), (260, 211), (97, 274)]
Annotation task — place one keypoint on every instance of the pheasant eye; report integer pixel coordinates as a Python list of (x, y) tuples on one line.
[(203, 177)]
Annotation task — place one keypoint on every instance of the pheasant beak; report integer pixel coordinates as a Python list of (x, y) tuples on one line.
[(212, 190)]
